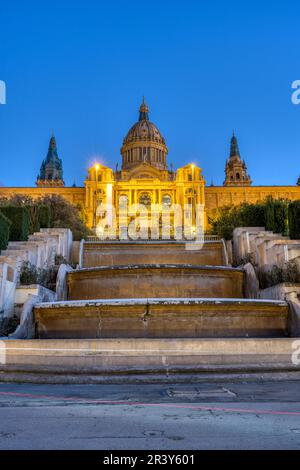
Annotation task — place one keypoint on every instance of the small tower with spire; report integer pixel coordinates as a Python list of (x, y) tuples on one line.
[(144, 111), (236, 169), (51, 171)]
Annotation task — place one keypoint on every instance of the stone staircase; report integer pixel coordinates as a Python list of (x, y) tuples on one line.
[(268, 248), (40, 250)]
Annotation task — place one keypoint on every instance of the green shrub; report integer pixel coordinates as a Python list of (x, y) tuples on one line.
[(28, 274), (22, 200), (276, 215), (46, 277), (66, 215), (252, 215), (224, 222), (33, 212), (50, 211), (9, 325), (44, 216), (230, 217), (270, 214), (294, 220), (248, 258), (19, 218), (5, 225), (289, 273)]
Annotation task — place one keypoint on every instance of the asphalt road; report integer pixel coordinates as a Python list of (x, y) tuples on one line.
[(250, 415)]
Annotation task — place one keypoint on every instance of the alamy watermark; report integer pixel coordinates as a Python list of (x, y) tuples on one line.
[(296, 353), (153, 222), (2, 92), (2, 352), (296, 94)]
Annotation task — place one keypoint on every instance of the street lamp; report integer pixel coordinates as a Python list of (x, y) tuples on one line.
[(96, 166), (193, 201)]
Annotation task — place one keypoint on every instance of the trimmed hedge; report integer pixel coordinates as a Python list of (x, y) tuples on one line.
[(19, 217), (5, 225), (276, 215), (34, 223), (294, 220), (45, 216), (252, 215)]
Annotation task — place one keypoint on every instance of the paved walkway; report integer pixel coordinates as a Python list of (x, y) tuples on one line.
[(250, 415)]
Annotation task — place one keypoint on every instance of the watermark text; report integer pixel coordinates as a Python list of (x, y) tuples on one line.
[(2, 92), (296, 94)]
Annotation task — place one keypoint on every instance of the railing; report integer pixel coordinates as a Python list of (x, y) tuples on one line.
[(206, 238)]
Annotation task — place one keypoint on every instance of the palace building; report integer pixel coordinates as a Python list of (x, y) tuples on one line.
[(145, 178)]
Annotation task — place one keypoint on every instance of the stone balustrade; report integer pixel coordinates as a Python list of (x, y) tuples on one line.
[(267, 248), (283, 252), (7, 290), (65, 240), (35, 249), (40, 250), (241, 240), (49, 244)]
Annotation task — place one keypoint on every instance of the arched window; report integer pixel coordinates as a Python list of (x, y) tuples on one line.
[(145, 199), (238, 176), (123, 199), (123, 202), (167, 200)]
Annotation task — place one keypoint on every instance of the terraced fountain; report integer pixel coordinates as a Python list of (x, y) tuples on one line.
[(153, 311), (117, 293)]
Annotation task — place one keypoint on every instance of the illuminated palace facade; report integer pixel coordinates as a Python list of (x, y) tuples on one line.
[(145, 178)]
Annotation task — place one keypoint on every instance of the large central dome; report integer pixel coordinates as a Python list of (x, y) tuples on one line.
[(144, 143)]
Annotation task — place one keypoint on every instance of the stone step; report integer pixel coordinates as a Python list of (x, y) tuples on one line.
[(162, 318), (109, 253), (119, 360), (156, 281)]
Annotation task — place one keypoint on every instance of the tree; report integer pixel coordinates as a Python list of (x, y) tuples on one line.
[(228, 218), (65, 215), (276, 213), (59, 213), (22, 200)]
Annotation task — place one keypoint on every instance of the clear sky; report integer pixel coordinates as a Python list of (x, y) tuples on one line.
[(205, 68)]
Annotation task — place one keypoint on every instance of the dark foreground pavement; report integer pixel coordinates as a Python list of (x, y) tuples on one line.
[(254, 415)]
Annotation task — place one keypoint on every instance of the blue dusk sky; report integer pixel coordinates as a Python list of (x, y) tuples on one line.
[(205, 68)]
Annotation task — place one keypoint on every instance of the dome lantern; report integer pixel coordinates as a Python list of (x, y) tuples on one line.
[(144, 111)]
